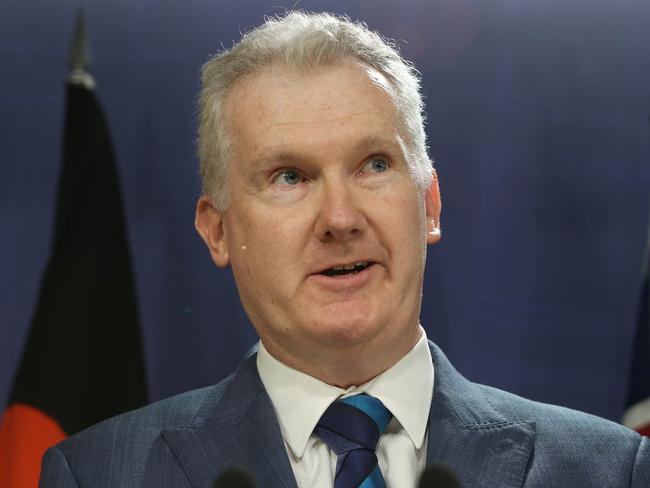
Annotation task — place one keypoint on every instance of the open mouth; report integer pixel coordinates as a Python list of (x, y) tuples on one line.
[(347, 269)]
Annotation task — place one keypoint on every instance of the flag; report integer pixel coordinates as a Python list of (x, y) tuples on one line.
[(83, 359), (637, 412)]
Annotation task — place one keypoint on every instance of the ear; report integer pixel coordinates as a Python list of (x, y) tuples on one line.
[(209, 223), (433, 205)]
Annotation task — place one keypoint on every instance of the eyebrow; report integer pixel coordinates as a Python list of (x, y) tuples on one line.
[(288, 157), (281, 157), (376, 140)]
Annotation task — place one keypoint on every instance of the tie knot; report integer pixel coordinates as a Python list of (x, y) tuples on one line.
[(354, 422), (351, 428)]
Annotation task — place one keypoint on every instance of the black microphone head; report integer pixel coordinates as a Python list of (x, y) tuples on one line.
[(438, 476), (234, 478)]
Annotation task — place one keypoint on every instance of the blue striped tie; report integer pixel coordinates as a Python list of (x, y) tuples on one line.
[(351, 428)]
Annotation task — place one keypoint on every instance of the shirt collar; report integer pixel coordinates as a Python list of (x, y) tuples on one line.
[(406, 388)]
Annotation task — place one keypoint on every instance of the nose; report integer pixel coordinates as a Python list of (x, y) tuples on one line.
[(340, 217)]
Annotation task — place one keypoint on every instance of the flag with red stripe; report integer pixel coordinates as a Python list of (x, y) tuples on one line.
[(83, 358)]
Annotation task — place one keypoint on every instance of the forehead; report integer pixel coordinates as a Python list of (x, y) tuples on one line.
[(326, 108)]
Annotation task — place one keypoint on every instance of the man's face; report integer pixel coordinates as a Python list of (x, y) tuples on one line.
[(325, 231)]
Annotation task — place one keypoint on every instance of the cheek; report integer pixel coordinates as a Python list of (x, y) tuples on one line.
[(267, 244), (403, 223), (403, 213)]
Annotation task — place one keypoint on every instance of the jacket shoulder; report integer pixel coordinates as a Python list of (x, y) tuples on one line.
[(571, 441), (551, 419), (126, 447), (176, 412)]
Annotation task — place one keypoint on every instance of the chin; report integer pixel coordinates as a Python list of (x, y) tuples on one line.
[(346, 329)]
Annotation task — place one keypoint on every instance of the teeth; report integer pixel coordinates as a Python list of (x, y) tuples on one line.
[(350, 266), (346, 269)]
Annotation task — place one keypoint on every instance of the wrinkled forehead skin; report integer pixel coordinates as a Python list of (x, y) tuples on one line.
[(278, 70)]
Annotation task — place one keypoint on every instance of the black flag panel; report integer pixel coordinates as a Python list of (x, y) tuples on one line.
[(83, 358)]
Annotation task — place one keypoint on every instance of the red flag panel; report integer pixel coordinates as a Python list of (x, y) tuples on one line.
[(25, 435)]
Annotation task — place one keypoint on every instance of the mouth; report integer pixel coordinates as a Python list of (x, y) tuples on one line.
[(347, 269)]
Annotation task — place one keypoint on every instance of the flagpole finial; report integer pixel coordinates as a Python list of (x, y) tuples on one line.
[(80, 54)]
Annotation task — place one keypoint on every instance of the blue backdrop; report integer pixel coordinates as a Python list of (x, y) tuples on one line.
[(537, 117)]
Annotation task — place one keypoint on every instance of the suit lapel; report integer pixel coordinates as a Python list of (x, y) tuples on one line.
[(480, 445), (239, 429), (471, 437)]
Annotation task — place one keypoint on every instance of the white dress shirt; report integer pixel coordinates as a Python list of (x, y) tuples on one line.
[(300, 400)]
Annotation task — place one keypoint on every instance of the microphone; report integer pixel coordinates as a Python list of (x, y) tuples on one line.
[(438, 476), (234, 478)]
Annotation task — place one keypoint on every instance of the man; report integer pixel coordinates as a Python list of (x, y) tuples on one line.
[(319, 193)]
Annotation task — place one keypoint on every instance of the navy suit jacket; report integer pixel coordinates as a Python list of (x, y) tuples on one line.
[(488, 437)]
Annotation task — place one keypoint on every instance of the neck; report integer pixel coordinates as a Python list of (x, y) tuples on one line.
[(347, 365)]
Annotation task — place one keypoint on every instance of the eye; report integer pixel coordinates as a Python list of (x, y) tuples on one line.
[(376, 164), (288, 177)]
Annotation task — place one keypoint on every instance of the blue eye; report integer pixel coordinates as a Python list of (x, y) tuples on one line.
[(288, 177), (376, 165)]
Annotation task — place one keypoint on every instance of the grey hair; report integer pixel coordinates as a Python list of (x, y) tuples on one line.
[(308, 41)]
